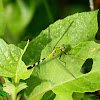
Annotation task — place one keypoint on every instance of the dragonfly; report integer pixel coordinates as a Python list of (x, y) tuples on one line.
[(55, 52)]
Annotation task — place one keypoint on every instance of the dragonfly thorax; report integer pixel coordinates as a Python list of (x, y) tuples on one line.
[(55, 52), (63, 48)]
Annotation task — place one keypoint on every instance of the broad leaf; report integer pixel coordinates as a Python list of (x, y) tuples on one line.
[(53, 74), (11, 64)]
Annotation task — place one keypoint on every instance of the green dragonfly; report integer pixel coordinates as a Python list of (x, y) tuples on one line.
[(56, 51)]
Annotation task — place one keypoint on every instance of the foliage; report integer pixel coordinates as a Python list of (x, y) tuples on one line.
[(52, 74), (72, 75)]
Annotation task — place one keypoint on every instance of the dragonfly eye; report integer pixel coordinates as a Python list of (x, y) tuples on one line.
[(68, 48)]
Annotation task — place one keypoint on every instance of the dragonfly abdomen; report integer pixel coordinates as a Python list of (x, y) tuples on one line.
[(54, 53), (37, 63)]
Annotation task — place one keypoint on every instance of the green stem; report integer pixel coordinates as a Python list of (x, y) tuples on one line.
[(48, 11), (13, 96), (19, 97)]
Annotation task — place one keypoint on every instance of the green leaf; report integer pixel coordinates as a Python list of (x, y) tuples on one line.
[(53, 74), (11, 64), (13, 89), (2, 20)]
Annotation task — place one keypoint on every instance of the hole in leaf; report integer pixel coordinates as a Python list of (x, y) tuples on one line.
[(87, 66)]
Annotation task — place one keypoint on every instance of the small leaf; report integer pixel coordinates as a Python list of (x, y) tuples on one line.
[(9, 88), (20, 87), (13, 89)]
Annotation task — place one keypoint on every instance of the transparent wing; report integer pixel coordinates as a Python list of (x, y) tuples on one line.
[(63, 66)]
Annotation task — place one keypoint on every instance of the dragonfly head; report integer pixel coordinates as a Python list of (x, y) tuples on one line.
[(67, 48)]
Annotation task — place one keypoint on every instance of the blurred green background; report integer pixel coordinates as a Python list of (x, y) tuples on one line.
[(24, 19)]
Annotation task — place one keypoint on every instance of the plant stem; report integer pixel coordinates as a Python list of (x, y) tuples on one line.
[(13, 96), (19, 97), (91, 5)]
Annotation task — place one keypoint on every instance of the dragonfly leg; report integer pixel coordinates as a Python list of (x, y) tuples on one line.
[(67, 53), (65, 66)]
